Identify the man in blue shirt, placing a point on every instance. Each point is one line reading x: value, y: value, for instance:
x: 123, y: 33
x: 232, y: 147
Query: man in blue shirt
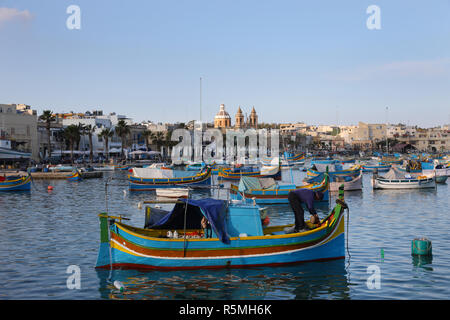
x: 296, y: 197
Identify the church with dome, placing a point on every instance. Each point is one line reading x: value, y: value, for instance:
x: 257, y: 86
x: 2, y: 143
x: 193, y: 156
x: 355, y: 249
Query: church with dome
x: 222, y: 120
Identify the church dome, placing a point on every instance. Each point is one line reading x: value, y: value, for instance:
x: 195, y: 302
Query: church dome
x: 222, y: 114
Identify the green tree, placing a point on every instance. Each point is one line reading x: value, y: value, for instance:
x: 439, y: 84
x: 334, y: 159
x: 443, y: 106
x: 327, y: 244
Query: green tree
x: 89, y: 131
x: 72, y: 135
x: 48, y: 117
x: 122, y: 130
x: 147, y: 135
x: 105, y: 134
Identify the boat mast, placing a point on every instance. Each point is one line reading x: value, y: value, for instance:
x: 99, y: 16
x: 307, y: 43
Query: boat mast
x: 387, y: 145
x: 200, y: 99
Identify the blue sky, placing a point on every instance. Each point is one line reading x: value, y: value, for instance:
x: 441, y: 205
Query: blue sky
x: 311, y: 61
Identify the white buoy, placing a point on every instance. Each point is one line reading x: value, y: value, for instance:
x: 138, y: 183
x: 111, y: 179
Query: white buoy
x: 124, y: 192
x: 119, y: 285
x: 140, y: 205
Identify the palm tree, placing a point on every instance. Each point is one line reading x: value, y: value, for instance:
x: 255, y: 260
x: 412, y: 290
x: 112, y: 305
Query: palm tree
x: 158, y: 139
x: 122, y: 129
x: 89, y: 131
x: 147, y: 135
x: 72, y: 135
x: 48, y: 117
x: 106, y: 134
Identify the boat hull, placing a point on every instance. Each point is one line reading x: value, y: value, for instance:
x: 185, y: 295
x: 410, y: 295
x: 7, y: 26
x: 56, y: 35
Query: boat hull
x: 131, y: 250
x: 21, y: 184
x: 355, y: 184
x: 143, y: 184
x: 379, y: 183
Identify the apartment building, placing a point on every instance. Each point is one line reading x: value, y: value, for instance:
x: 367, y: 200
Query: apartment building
x: 18, y: 124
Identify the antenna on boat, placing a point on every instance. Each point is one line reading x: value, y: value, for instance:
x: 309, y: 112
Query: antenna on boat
x: 106, y: 193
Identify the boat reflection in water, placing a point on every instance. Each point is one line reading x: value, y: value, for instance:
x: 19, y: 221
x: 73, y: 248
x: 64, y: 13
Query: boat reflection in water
x: 310, y: 280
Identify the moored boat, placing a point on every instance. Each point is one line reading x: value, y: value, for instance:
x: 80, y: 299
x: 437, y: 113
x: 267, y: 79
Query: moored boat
x: 121, y: 167
x: 217, y: 234
x: 333, y: 170
x: 350, y: 183
x: 396, y: 180
x: 376, y: 167
x: 172, y: 192
x: 15, y: 183
x: 263, y: 172
x: 143, y: 179
x: 74, y: 176
x: 266, y: 191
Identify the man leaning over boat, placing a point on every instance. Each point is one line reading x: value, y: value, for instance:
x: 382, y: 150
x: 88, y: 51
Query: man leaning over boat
x: 296, y: 198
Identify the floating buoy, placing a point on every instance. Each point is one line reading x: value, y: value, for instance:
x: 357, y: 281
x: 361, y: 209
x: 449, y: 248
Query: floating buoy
x: 139, y: 205
x: 421, y: 246
x: 119, y: 285
x: 124, y: 192
x: 50, y: 188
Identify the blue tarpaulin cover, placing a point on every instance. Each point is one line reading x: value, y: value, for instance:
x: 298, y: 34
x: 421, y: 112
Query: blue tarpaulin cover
x: 214, y: 210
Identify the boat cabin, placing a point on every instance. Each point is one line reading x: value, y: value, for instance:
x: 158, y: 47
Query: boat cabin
x: 224, y: 219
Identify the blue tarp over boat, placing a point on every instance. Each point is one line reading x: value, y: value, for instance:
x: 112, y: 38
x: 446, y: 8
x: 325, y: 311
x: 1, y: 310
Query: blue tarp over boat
x: 214, y: 210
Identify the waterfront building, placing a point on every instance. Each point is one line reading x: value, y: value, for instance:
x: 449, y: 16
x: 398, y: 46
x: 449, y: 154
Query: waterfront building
x: 18, y: 124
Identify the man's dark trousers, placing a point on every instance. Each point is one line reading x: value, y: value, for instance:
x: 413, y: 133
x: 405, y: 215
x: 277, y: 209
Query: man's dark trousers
x: 299, y: 213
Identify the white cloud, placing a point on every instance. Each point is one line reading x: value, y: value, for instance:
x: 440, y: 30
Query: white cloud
x: 12, y: 14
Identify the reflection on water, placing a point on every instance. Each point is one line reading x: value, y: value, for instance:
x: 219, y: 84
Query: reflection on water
x: 315, y: 280
x: 423, y: 261
x: 42, y: 233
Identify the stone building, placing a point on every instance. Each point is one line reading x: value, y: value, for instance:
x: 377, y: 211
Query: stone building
x: 18, y: 124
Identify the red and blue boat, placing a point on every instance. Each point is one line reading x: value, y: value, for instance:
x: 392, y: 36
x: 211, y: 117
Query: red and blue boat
x: 15, y: 183
x: 213, y: 233
x: 74, y: 176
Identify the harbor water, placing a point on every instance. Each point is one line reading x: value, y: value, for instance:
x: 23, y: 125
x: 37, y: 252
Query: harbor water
x: 43, y: 234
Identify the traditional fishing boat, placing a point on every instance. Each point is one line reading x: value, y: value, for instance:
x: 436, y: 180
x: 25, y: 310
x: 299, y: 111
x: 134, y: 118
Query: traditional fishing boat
x: 143, y: 179
x: 350, y: 183
x: 210, y: 233
x: 172, y: 192
x: 267, y: 191
x: 390, y: 160
x: 74, y: 176
x: 333, y: 170
x: 121, y: 167
x: 15, y: 183
x: 294, y: 157
x: 440, y: 171
x: 394, y: 179
x: 61, y: 168
x: 195, y: 166
x: 103, y: 168
x: 237, y: 172
x: 376, y: 167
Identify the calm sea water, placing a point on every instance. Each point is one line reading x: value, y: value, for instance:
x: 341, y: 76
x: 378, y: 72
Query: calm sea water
x: 42, y: 233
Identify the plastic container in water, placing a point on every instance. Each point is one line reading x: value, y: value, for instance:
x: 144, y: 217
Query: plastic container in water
x: 119, y: 285
x: 421, y: 246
